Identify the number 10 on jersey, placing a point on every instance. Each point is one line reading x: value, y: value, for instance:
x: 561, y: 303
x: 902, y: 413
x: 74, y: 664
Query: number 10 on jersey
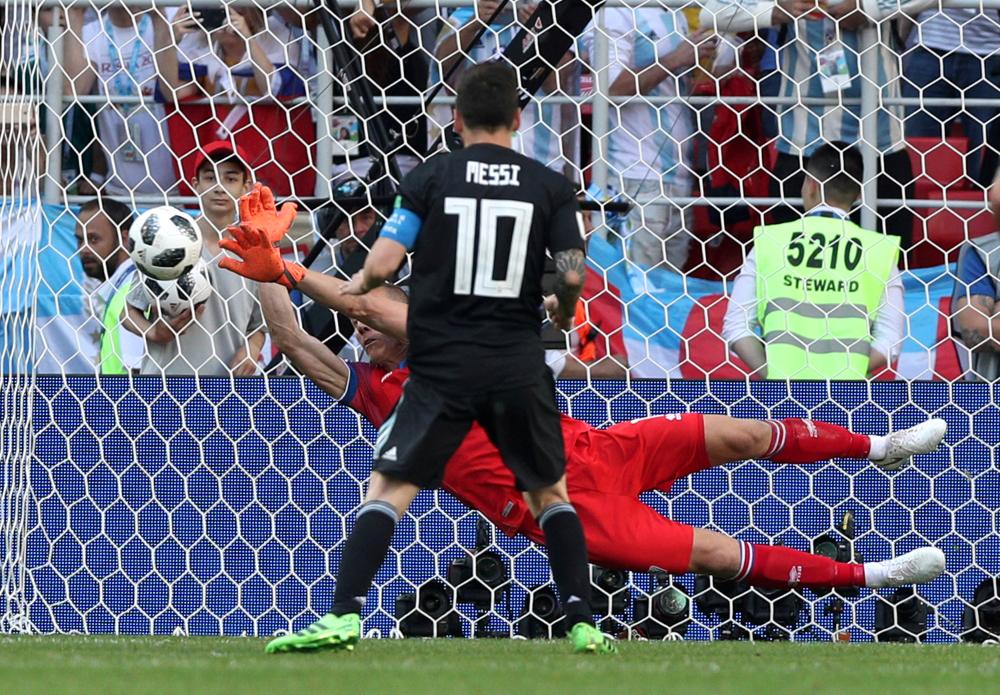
x: 490, y: 212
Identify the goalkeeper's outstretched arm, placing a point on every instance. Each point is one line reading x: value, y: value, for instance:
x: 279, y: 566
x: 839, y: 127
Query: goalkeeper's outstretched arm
x: 307, y: 354
x: 373, y: 309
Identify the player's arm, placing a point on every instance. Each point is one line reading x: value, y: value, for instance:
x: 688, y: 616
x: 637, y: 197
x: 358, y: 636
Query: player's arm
x: 570, y: 268
x: 381, y: 264
x: 309, y: 356
x: 260, y: 260
x: 381, y: 313
x: 253, y: 242
x: 566, y: 244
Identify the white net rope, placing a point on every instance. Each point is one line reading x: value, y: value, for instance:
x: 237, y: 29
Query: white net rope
x: 21, y: 156
x: 218, y: 505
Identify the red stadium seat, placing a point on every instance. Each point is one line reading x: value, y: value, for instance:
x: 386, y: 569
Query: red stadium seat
x: 938, y: 232
x: 938, y: 165
x: 703, y: 352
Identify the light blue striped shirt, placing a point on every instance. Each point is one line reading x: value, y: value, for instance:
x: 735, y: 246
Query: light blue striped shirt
x: 538, y: 138
x: 804, y: 127
x: 647, y: 141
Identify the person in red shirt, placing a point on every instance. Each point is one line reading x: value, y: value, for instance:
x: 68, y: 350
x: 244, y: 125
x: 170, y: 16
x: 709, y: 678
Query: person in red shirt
x: 606, y: 469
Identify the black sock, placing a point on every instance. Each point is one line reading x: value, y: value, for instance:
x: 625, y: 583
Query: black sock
x: 568, y: 559
x: 363, y: 554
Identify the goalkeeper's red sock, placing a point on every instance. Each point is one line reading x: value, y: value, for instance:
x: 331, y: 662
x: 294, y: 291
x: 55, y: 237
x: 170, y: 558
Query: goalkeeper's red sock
x: 806, y: 441
x: 777, y: 567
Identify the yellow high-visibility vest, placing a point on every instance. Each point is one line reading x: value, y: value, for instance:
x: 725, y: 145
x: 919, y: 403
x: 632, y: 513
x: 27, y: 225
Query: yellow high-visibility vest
x: 820, y: 282
x: 111, y: 347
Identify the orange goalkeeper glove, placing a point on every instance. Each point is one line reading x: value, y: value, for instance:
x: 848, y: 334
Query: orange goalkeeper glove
x: 257, y: 209
x: 262, y: 260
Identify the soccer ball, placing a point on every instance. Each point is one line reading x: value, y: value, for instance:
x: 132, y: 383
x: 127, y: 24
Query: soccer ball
x: 186, y: 292
x: 164, y: 243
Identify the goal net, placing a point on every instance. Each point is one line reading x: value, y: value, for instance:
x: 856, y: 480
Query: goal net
x: 203, y: 486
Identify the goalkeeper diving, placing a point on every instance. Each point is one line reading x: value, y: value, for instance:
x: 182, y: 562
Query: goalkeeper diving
x: 606, y: 469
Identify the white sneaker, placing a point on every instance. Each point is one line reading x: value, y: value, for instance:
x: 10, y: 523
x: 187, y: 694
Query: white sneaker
x: 919, y: 439
x: 915, y: 567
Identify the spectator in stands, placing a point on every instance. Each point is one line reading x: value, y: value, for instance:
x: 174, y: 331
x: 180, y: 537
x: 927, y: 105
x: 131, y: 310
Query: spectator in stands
x: 225, y: 335
x: 824, y: 294
x: 808, y: 33
x: 243, y: 58
x: 541, y: 133
x: 249, y: 65
x: 20, y: 220
x: 974, y: 301
x: 953, y: 55
x: 101, y: 236
x: 23, y: 49
x: 114, y: 52
x: 649, y: 145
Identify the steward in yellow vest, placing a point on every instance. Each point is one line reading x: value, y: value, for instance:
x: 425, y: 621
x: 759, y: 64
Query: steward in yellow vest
x: 820, y: 282
x: 111, y: 350
x: 814, y: 287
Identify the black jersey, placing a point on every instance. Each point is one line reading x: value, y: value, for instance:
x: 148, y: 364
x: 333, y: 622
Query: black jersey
x: 487, y: 214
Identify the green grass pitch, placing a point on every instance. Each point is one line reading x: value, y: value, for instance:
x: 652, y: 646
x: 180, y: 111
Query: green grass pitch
x: 141, y: 665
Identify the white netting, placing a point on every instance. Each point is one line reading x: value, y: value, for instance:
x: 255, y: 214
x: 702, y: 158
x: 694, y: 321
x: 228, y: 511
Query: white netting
x: 218, y: 505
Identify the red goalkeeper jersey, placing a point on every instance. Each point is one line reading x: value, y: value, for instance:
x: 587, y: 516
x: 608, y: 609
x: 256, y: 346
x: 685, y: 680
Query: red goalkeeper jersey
x: 476, y: 474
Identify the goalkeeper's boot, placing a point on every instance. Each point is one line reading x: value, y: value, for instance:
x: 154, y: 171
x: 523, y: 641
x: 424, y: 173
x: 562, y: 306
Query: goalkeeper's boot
x: 915, y: 567
x: 903, y: 445
x: 329, y: 632
x: 587, y: 639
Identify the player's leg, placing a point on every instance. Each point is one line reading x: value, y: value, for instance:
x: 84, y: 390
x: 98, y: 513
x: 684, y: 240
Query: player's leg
x: 411, y: 451
x: 769, y: 566
x: 524, y: 425
x: 363, y: 554
x: 796, y: 440
x: 567, y: 551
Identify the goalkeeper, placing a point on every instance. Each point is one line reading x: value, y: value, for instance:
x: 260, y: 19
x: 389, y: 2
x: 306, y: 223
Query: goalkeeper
x: 606, y: 469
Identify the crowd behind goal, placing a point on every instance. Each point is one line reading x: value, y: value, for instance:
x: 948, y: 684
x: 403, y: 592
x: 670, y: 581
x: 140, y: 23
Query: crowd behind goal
x: 698, y: 118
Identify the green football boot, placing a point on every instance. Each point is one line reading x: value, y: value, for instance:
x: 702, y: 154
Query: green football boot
x: 329, y: 632
x: 587, y: 639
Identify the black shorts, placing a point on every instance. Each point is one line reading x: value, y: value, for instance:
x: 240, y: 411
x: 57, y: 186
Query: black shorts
x: 427, y: 426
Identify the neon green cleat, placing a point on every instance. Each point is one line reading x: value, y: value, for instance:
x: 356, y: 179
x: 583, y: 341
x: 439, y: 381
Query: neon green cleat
x: 587, y: 639
x: 329, y: 632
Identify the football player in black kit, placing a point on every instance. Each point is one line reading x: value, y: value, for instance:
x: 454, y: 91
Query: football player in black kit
x: 479, y: 222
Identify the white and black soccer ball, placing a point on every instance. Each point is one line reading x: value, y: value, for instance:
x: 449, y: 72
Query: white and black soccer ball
x: 164, y: 243
x: 186, y: 292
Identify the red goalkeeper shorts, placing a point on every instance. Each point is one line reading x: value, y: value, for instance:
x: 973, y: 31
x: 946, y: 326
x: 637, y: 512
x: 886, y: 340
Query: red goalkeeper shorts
x: 608, y: 469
